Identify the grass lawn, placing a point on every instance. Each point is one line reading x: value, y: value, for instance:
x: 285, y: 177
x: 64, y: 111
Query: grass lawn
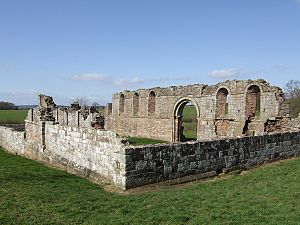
x: 143, y: 141
x: 12, y: 116
x: 31, y: 193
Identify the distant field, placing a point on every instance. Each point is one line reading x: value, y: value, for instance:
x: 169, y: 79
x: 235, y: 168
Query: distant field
x: 12, y: 116
x: 31, y: 193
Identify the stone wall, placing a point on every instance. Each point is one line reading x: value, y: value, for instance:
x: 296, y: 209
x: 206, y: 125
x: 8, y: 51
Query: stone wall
x: 74, y: 139
x: 102, y: 155
x: 12, y: 140
x: 98, y: 151
x: 244, y: 106
x: 89, y: 152
x: 189, y: 161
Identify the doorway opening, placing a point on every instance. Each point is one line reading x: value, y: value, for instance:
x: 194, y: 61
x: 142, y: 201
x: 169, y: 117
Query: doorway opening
x: 186, y: 121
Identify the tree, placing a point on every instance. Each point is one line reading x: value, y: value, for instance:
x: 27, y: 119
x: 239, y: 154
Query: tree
x: 95, y: 104
x: 83, y: 101
x: 292, y: 89
x: 7, y: 106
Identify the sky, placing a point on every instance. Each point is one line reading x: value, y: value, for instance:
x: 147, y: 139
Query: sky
x: 94, y: 48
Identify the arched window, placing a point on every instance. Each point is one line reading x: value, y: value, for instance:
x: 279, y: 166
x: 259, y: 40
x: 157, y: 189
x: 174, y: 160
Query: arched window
x: 135, y: 104
x: 253, y: 101
x: 151, y: 103
x: 222, y: 102
x: 121, y: 103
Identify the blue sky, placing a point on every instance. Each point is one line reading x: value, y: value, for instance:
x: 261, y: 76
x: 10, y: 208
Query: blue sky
x: 93, y: 48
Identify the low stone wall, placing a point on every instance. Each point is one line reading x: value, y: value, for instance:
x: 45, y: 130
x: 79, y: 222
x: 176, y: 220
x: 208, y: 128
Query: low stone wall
x: 155, y: 163
x: 88, y: 152
x: 12, y: 140
x: 87, y: 149
x: 101, y: 154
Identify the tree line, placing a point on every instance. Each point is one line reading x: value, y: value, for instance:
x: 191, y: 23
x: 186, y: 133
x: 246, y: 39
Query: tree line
x: 7, y: 106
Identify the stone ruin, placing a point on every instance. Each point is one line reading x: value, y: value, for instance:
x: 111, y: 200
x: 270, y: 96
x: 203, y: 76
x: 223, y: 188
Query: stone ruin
x: 240, y: 124
x: 75, y: 115
x: 233, y: 108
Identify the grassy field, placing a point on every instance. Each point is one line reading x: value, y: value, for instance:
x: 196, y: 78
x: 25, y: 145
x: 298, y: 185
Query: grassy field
x: 12, y: 116
x: 31, y: 193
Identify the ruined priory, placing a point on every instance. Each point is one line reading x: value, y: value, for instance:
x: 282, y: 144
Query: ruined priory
x: 240, y: 124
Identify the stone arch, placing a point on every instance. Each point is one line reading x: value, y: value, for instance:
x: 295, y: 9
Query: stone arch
x: 151, y: 103
x: 177, y: 114
x: 222, y: 102
x: 253, y: 100
x: 121, y: 103
x: 135, y: 104
x: 180, y: 103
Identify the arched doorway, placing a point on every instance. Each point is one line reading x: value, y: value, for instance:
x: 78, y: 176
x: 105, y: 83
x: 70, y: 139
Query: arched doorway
x: 186, y: 114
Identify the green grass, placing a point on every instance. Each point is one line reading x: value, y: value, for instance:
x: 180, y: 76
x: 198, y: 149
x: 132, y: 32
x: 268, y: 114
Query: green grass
x: 190, y: 130
x: 31, y: 193
x: 12, y: 116
x: 143, y: 141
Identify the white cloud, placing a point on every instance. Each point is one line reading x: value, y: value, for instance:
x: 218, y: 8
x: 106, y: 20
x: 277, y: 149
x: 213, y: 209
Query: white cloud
x: 225, y: 73
x: 124, y: 82
x: 90, y: 76
x: 128, y: 82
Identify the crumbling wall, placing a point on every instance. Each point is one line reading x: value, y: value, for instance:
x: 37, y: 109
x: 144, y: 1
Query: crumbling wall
x: 74, y: 139
x: 222, y: 127
x: 71, y: 138
x: 108, y: 109
x: 238, y: 102
x: 282, y: 124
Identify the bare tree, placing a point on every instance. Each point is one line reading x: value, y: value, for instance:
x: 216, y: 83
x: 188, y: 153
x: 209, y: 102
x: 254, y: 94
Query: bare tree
x: 292, y: 89
x: 96, y: 104
x: 83, y: 101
